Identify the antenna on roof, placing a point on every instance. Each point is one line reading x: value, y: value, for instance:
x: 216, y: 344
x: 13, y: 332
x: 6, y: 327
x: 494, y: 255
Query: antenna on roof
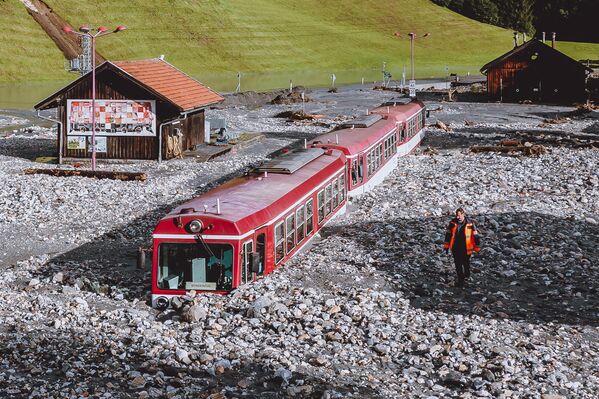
x: 161, y: 57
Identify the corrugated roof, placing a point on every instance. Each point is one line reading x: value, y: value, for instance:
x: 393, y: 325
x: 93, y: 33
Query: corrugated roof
x: 176, y: 86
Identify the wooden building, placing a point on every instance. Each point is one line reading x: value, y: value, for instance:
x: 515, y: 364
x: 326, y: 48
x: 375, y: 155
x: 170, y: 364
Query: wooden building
x: 145, y: 109
x: 537, y: 72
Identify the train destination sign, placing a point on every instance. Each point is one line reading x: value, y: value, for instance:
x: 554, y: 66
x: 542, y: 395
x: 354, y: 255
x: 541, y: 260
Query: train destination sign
x: 113, y: 117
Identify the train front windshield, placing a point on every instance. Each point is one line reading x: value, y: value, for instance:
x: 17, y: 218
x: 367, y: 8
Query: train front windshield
x: 195, y: 266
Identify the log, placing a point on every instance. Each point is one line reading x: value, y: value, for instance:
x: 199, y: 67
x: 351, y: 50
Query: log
x: 532, y: 150
x: 510, y: 143
x: 98, y: 174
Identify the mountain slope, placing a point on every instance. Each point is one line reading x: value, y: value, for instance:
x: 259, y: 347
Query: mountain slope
x: 211, y: 39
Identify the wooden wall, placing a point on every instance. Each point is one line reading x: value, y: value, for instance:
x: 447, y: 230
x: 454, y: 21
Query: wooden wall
x: 537, y: 76
x: 111, y: 85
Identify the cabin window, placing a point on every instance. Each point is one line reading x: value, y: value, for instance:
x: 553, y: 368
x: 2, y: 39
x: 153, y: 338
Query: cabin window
x: 327, y: 199
x: 246, y: 262
x: 320, y: 206
x: 290, y: 232
x: 335, y: 192
x: 309, y: 216
x: 371, y: 162
x: 279, y: 242
x: 299, y: 221
x: 195, y: 266
x: 341, y: 188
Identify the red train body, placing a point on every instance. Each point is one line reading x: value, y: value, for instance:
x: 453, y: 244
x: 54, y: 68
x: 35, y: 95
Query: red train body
x: 248, y: 226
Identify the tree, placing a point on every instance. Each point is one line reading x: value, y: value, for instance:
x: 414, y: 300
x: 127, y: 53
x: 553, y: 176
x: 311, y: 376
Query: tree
x: 482, y: 10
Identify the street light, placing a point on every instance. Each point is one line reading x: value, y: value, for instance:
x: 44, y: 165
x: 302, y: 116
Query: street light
x: 87, y: 31
x: 412, y: 36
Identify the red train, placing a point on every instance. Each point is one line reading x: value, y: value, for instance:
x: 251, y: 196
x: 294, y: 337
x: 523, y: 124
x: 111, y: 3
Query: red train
x: 252, y: 224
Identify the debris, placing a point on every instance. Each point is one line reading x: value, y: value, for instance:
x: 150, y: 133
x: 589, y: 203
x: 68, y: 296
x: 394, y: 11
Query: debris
x: 298, y: 115
x: 510, y: 143
x: 536, y: 149
x: 98, y: 174
x: 292, y: 97
x: 442, y: 126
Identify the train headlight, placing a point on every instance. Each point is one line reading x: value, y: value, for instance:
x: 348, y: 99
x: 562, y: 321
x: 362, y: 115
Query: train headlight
x: 195, y: 226
x: 162, y: 303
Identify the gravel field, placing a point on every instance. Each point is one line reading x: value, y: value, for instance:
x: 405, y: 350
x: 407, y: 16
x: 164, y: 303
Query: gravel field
x: 369, y: 311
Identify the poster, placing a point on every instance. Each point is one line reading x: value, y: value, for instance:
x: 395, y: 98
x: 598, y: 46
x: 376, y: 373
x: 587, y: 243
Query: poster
x: 113, y: 118
x: 100, y: 144
x: 76, y: 142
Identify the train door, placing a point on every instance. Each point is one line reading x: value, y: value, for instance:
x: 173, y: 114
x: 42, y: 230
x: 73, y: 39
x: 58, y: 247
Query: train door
x: 247, y: 249
x: 357, y: 171
x: 260, y: 253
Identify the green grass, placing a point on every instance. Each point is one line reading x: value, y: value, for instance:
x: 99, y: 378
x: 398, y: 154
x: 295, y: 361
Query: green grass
x: 270, y: 41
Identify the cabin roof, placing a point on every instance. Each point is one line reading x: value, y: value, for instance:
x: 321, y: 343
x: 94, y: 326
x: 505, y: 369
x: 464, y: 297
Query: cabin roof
x: 156, y: 76
x: 536, y: 44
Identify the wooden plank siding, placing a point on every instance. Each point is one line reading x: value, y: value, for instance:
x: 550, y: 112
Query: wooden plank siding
x: 112, y: 85
x: 538, y: 73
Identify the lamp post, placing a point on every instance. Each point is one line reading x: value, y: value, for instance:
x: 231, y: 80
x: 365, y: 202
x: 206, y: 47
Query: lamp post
x: 87, y: 31
x: 412, y: 37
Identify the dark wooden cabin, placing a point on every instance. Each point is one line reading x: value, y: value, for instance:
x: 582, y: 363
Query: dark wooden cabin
x: 153, y: 106
x: 537, y: 72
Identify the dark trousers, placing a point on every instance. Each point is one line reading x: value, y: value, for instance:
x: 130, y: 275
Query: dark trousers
x: 462, y: 265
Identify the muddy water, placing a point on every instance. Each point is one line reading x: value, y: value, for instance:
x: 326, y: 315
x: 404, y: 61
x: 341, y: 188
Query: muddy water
x: 26, y: 95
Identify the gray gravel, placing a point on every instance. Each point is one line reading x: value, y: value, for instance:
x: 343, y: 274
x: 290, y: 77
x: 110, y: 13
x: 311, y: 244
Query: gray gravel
x: 369, y: 311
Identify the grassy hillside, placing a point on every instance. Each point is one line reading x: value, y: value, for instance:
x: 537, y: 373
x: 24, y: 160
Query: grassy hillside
x: 305, y: 40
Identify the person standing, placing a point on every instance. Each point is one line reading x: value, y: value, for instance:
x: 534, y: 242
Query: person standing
x: 463, y: 240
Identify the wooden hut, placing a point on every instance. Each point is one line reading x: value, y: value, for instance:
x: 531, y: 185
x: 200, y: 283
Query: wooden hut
x: 537, y: 72
x: 145, y: 109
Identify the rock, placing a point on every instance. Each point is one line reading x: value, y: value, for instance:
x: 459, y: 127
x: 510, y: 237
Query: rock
x: 34, y: 282
x: 194, y: 313
x: 182, y: 356
x: 284, y: 374
x: 57, y: 278
x: 138, y: 382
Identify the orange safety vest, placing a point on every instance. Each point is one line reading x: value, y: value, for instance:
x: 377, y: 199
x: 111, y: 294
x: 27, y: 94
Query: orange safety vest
x: 471, y: 245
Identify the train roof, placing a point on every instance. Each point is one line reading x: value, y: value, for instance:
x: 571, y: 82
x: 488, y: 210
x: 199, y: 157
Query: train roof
x: 251, y: 201
x: 399, y: 110
x: 353, y: 141
x: 358, y: 135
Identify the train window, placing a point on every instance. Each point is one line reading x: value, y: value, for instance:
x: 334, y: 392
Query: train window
x: 309, y: 216
x: 327, y: 199
x: 279, y: 242
x: 191, y: 266
x: 371, y: 163
x: 387, y: 144
x: 341, y: 188
x: 320, y: 206
x: 335, y: 192
x: 246, y: 263
x: 290, y: 232
x: 299, y: 222
x: 403, y: 135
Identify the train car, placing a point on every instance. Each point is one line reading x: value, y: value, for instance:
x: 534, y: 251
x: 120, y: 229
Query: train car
x: 373, y: 143
x: 245, y: 228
